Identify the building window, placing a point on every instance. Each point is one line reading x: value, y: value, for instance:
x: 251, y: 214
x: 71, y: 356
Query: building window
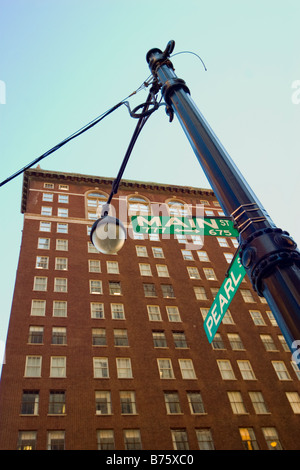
x: 271, y: 318
x: 268, y: 343
x: 247, y: 295
x: 200, y: 293
x: 58, y: 366
x: 57, y: 402
x: 248, y: 439
x: 173, y: 314
x: 63, y: 198
x: 117, y: 311
x: 157, y: 252
x: 167, y: 291
x: 145, y: 269
x: 272, y: 439
x: 281, y: 370
x: 172, y: 402
x: 228, y: 257
x: 149, y: 290
x: 124, y: 370
x: 141, y: 251
x: 42, y: 262
x: 235, y: 342
x: 40, y: 283
x: 92, y: 249
x: 227, y: 319
x: 101, y: 370
x: 205, y: 440
x: 26, y: 440
x: 112, y: 267
x: 33, y: 366
x: 45, y: 226
x: 178, y: 208
x: 96, y: 287
x: 47, y: 211
x: 120, y: 337
x: 283, y: 343
x: 30, y: 402
x: 210, y: 274
x: 179, y: 340
x: 217, y: 342
x: 59, y: 308
x: 246, y: 370
x: 195, y: 403
x: 193, y: 272
x: 61, y: 264
x: 98, y: 337
x: 159, y: 339
x: 60, y: 284
x: 103, y: 403
x: 97, y: 310
x: 187, y: 368
x: 203, y: 256
x: 36, y: 335
x: 63, y: 187
x: 222, y: 242
x: 165, y: 369
x: 132, y: 439
x: 44, y: 243
x: 61, y: 245
x: 226, y: 370
x: 56, y: 440
x: 257, y: 317
x: 236, y: 402
x: 128, y: 404
x: 258, y: 403
x: 62, y: 228
x: 179, y: 439
x: 115, y: 288
x: 138, y: 205
x: 48, y: 197
x: 187, y: 255
x: 61, y: 212
x: 94, y: 266
x: 154, y: 313
x: 294, y: 401
x: 49, y: 185
x: 38, y: 308
x: 59, y: 335
x: 162, y: 270
x: 105, y: 439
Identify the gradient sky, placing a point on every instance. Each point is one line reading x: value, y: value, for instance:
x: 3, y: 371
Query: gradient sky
x: 64, y: 62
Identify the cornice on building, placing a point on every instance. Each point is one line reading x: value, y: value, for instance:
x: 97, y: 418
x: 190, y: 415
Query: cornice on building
x: 95, y: 180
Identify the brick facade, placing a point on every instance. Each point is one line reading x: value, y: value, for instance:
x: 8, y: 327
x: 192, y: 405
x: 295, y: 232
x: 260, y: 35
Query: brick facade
x: 149, y: 379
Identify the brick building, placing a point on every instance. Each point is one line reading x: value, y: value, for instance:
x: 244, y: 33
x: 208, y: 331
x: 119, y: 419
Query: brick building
x: 109, y: 351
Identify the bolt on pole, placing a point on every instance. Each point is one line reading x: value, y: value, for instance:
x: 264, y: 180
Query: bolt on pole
x: 269, y: 254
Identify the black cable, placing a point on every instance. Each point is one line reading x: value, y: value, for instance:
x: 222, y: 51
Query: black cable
x: 79, y: 132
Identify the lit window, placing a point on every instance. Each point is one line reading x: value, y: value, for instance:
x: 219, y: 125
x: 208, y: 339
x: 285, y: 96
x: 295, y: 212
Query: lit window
x: 27, y: 440
x: 272, y: 439
x: 248, y: 439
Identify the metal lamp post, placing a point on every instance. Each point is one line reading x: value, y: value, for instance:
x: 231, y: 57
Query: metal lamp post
x: 269, y: 255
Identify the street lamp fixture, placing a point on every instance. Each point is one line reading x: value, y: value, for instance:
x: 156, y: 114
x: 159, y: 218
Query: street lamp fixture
x: 108, y: 234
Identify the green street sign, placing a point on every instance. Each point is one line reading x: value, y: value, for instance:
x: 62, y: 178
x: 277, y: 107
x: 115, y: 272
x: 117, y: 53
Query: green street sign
x: 224, y: 297
x: 184, y: 225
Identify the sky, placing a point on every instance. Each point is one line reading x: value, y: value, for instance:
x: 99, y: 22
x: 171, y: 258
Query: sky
x: 65, y: 62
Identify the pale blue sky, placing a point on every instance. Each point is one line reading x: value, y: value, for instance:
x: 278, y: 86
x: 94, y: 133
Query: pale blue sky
x: 64, y: 62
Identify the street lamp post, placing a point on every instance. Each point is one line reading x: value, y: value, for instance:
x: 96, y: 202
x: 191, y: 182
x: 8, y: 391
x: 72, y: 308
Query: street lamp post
x: 269, y: 255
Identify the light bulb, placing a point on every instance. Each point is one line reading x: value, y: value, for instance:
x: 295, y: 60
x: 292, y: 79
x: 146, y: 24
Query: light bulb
x: 108, y: 235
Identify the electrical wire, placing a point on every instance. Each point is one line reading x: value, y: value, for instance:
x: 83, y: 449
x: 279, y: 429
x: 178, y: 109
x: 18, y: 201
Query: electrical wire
x: 78, y: 132
x: 193, y: 53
